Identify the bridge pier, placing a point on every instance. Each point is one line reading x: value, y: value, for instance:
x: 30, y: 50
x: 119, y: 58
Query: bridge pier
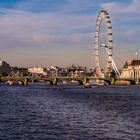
x: 81, y: 83
x: 113, y: 81
x: 85, y: 81
x: 51, y: 82
x: 137, y: 82
x: 25, y: 82
x: 55, y: 81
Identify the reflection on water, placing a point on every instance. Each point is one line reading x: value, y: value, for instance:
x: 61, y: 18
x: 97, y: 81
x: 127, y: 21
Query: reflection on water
x: 69, y: 113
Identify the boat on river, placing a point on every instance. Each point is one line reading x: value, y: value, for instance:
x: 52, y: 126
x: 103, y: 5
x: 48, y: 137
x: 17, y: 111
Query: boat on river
x: 88, y: 85
x: 13, y: 82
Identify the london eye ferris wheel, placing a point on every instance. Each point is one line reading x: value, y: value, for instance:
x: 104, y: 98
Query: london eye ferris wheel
x: 107, y: 44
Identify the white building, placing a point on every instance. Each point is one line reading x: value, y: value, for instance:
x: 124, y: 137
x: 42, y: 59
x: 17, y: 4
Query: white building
x: 37, y: 70
x: 131, y: 69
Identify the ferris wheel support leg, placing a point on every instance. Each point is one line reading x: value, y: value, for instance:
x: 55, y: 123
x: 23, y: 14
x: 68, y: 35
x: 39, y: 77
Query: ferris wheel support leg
x: 115, y: 68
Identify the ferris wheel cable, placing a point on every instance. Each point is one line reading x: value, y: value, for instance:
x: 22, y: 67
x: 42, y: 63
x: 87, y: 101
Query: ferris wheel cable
x: 116, y: 54
x: 115, y: 68
x: 121, y: 59
x: 113, y: 64
x: 117, y: 74
x: 105, y: 46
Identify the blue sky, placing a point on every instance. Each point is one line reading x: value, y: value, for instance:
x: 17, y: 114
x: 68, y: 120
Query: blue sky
x: 60, y: 32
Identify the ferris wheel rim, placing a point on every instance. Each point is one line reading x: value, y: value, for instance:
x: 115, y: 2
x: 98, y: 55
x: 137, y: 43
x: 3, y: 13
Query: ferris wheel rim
x: 103, y: 14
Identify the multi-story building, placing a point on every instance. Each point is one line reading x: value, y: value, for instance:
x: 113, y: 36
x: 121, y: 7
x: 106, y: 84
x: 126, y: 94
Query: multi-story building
x: 38, y: 70
x: 75, y: 71
x: 5, y: 68
x: 131, y: 69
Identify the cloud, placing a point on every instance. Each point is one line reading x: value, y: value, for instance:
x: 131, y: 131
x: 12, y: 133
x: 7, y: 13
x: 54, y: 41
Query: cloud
x: 36, y: 33
x: 116, y: 7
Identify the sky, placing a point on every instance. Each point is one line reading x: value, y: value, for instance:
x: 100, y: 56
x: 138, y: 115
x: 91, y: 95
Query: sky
x: 61, y: 32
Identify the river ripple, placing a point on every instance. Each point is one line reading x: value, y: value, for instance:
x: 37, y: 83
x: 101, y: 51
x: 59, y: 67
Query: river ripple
x: 38, y: 112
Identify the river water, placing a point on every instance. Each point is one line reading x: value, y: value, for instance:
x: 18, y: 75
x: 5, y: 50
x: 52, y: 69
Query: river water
x: 43, y: 112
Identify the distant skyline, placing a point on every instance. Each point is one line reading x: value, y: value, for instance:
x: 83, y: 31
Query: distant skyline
x: 61, y: 32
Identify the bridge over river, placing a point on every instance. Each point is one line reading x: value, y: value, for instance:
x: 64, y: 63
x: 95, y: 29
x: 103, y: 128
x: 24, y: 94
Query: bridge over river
x: 82, y: 80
